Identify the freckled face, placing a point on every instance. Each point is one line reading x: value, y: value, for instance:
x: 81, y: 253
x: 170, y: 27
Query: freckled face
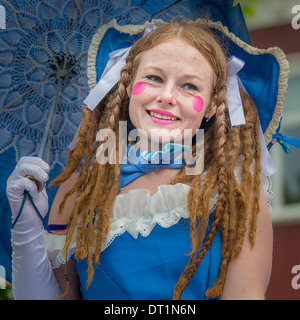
x: 172, y: 88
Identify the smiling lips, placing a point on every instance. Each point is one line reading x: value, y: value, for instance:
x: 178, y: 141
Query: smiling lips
x: 161, y: 116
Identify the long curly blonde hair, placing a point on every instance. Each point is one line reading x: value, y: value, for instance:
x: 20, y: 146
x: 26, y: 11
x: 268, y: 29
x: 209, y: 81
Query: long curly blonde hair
x: 98, y: 184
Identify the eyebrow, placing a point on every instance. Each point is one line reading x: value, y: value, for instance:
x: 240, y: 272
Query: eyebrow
x: 187, y: 76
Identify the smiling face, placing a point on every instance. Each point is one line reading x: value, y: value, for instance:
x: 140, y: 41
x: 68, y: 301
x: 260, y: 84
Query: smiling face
x: 172, y: 90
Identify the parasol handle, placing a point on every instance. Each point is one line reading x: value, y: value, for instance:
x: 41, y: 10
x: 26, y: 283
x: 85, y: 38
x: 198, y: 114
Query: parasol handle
x: 40, y: 185
x: 50, y: 118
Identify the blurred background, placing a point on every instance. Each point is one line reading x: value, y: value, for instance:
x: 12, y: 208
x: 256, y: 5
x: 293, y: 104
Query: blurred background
x: 270, y: 24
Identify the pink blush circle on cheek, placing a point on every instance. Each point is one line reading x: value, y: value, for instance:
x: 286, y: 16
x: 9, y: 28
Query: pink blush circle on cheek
x: 139, y: 87
x: 198, y: 104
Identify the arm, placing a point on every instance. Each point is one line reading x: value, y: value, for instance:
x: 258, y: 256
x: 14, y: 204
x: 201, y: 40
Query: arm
x: 248, y: 275
x: 63, y: 218
x: 32, y: 276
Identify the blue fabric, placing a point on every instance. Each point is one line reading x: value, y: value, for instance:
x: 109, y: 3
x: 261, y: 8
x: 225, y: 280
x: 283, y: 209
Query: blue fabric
x: 224, y: 11
x: 7, y: 164
x: 110, y: 37
x: 56, y: 227
x: 259, y: 76
x: 141, y: 163
x: 284, y: 141
x: 148, y: 268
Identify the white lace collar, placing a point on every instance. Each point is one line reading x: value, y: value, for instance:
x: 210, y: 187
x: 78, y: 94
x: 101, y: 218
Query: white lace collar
x: 135, y: 212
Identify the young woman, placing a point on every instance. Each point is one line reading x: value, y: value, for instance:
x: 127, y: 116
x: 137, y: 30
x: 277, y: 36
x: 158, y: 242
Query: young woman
x: 143, y: 231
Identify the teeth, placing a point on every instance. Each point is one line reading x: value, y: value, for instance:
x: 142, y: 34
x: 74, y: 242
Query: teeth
x: 160, y: 116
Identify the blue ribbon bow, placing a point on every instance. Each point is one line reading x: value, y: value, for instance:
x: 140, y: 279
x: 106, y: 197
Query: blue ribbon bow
x: 141, y: 163
x: 284, y: 140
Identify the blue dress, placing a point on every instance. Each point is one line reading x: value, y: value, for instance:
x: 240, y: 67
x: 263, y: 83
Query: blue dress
x: 146, y: 250
x: 148, y: 268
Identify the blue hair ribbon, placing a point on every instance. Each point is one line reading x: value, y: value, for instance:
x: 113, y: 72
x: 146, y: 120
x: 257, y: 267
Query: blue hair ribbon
x: 284, y: 140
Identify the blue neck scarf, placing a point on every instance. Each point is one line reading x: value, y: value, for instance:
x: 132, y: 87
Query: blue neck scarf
x: 140, y: 163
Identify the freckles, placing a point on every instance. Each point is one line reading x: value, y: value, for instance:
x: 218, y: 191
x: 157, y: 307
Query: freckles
x: 139, y: 87
x: 198, y: 104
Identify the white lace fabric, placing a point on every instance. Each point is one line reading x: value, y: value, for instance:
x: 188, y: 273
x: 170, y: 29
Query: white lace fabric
x: 137, y: 213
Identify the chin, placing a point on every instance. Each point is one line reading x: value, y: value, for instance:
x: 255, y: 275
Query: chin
x: 165, y: 136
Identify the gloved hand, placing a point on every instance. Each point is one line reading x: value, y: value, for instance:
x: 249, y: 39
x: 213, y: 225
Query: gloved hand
x: 32, y: 275
x: 17, y: 183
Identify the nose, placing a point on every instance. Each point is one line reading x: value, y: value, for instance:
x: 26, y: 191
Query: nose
x: 167, y: 96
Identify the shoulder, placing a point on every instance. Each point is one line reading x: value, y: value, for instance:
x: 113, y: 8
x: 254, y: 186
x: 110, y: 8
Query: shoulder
x: 63, y: 217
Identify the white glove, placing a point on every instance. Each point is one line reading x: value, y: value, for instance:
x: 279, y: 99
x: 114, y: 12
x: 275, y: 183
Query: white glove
x: 32, y: 275
x: 17, y: 183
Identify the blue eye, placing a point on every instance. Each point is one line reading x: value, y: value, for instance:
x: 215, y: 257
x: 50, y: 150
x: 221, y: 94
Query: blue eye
x: 191, y: 87
x: 154, y: 78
